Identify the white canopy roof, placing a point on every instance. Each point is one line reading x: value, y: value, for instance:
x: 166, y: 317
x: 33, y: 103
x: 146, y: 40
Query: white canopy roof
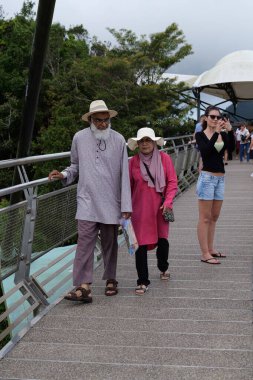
x: 231, y: 78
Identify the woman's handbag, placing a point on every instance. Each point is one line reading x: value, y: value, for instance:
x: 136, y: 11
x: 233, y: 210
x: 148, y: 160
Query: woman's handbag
x: 168, y: 215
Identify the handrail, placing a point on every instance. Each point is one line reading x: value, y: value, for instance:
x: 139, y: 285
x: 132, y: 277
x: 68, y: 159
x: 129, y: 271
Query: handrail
x: 54, y: 156
x: 32, y: 159
x: 178, y: 137
x: 23, y: 186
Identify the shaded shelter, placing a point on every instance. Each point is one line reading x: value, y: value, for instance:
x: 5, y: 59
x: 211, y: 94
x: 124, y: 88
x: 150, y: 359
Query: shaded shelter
x: 231, y: 79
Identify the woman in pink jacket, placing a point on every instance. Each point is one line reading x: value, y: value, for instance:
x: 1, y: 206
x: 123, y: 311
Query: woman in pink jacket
x: 154, y: 186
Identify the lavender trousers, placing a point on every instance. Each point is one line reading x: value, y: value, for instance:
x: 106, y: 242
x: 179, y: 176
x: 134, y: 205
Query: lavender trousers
x: 84, y: 259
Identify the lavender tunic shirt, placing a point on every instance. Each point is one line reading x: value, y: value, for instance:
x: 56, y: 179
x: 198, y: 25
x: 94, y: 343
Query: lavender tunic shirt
x: 103, y: 189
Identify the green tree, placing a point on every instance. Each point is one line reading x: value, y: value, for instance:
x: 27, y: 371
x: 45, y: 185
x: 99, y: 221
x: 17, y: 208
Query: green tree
x: 15, y: 45
x: 126, y: 74
x: 129, y: 75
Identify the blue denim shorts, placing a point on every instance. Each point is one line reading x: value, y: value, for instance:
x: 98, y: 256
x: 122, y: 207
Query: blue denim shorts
x: 210, y: 187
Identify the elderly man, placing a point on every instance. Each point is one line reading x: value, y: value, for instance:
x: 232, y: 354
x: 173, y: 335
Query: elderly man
x: 99, y: 157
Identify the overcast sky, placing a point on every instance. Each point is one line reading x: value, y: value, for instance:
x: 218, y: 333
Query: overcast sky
x: 214, y: 28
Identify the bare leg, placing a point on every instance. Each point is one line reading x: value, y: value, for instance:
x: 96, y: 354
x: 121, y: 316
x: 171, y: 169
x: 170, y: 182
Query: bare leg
x: 205, y: 215
x: 215, y: 213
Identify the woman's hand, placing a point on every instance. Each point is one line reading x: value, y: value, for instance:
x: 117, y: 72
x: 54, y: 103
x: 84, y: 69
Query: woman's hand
x: 165, y: 208
x: 54, y: 174
x: 227, y: 125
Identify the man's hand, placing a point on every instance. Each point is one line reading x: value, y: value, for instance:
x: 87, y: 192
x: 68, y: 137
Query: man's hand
x: 54, y: 174
x: 126, y: 215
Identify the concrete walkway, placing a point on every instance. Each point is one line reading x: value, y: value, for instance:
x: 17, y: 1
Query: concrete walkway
x: 196, y: 326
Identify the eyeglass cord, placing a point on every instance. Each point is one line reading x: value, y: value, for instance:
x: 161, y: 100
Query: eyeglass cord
x: 100, y: 147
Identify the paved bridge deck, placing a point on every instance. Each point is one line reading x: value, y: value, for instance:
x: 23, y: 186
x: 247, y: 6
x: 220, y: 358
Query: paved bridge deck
x: 196, y: 326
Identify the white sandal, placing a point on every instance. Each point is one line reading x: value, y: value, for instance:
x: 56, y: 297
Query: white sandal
x: 140, y: 290
x: 165, y: 276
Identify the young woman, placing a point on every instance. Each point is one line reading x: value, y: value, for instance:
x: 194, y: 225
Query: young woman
x: 152, y: 175
x: 212, y: 144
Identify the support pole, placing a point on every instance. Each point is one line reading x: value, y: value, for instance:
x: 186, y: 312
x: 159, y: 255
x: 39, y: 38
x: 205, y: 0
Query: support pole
x: 39, y: 50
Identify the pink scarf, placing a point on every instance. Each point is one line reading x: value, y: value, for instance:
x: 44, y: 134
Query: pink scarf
x: 154, y: 163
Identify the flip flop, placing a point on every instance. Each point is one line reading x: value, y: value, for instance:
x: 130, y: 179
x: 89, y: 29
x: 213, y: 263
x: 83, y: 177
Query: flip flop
x: 209, y: 262
x: 219, y: 254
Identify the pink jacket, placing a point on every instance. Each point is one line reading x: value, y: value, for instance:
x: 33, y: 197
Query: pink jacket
x: 147, y: 218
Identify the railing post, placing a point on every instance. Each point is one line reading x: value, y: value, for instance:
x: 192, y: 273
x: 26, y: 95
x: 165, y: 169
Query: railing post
x: 26, y: 247
x: 23, y: 272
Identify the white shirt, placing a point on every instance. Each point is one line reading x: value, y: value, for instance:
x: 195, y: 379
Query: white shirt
x: 240, y: 133
x: 103, y: 190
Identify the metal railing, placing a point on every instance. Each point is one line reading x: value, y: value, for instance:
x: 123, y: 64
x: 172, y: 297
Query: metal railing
x: 33, y: 229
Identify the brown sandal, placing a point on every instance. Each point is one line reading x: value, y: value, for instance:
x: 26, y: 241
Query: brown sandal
x: 112, y: 289
x: 84, y: 297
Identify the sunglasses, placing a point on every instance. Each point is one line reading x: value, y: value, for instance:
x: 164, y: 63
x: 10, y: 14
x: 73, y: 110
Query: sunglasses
x: 214, y: 117
x: 97, y: 120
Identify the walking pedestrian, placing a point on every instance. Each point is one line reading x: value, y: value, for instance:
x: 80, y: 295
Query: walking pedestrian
x: 99, y: 158
x: 154, y: 186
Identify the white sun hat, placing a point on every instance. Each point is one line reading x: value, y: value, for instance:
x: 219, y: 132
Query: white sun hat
x: 144, y: 132
x: 98, y: 106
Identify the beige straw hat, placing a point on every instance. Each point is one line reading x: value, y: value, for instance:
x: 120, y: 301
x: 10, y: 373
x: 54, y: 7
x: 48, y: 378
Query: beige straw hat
x: 98, y: 106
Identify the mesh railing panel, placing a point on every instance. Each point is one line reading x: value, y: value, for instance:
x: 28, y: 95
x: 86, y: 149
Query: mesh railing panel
x: 187, y: 160
x: 173, y: 157
x: 179, y: 162
x: 55, y: 220
x: 11, y: 232
x: 194, y: 158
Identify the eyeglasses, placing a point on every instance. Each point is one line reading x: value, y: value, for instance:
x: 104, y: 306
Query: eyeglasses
x: 214, y: 117
x: 145, y: 140
x: 100, y: 121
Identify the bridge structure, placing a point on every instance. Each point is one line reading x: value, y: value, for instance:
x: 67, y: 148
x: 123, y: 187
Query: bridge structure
x: 198, y: 325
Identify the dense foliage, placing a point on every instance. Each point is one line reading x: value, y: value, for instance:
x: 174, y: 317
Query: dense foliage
x: 79, y: 69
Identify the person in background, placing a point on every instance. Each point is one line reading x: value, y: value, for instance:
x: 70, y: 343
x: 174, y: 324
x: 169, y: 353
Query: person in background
x: 237, y: 142
x: 251, y: 144
x: 99, y: 158
x: 211, y: 182
x: 198, y: 126
x: 250, y: 128
x: 231, y: 144
x: 244, y: 142
x: 154, y: 185
x: 228, y: 154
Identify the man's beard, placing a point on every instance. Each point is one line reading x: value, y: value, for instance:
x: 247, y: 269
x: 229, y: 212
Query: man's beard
x: 101, y: 134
